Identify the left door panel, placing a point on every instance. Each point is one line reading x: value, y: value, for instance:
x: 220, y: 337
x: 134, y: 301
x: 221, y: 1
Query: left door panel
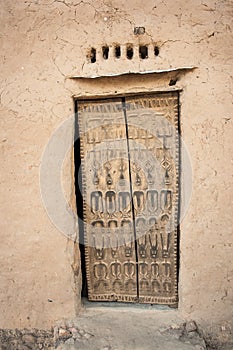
x: 108, y: 222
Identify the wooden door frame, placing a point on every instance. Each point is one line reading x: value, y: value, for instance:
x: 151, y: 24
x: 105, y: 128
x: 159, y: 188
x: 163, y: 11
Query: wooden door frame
x: 139, y: 94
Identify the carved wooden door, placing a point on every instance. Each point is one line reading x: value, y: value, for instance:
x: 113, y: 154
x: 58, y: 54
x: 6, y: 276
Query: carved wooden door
x: 130, y: 181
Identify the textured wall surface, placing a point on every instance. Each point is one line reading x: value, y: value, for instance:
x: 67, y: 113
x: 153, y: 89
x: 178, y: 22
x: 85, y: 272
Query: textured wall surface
x: 43, y: 44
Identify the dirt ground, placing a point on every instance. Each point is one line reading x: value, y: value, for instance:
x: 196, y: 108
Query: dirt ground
x: 128, y: 327
x: 112, y: 326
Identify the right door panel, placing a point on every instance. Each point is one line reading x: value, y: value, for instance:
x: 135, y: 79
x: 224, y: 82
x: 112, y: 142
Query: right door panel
x: 152, y: 123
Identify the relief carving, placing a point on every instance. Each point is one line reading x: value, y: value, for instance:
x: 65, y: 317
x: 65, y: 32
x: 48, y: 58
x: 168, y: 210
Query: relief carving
x: 130, y: 189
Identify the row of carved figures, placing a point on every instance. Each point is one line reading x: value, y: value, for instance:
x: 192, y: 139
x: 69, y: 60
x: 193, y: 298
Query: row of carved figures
x: 152, y: 245
x: 153, y: 287
x: 109, y: 132
x: 125, y: 225
x: 117, y: 270
x: 111, y: 201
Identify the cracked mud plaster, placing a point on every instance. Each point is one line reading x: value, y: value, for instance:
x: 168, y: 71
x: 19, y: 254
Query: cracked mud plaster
x: 44, y: 42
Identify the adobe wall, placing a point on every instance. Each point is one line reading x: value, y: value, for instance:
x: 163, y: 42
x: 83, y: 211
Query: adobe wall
x: 43, y: 44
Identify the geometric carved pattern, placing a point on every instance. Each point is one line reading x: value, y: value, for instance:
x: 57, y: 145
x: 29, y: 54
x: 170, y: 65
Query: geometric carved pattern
x: 130, y: 174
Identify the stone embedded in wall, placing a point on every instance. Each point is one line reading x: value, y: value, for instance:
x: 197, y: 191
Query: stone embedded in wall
x: 139, y: 30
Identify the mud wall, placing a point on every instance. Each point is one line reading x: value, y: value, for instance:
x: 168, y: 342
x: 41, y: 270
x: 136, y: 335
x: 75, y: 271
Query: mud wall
x: 46, y: 61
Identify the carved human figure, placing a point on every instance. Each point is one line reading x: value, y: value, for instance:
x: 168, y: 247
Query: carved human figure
x: 96, y: 202
x: 165, y: 132
x: 155, y: 270
x: 152, y: 200
x: 142, y: 246
x: 167, y: 286
x: 153, y: 239
x: 128, y: 249
x: 144, y: 285
x: 100, y: 270
x: 110, y: 202
x: 113, y: 240
x: 129, y: 269
x: 115, y: 268
x: 166, y: 200
x: 138, y: 201
x: 156, y: 288
x: 99, y: 250
x: 143, y: 269
x: 165, y: 235
x: 124, y: 202
x: 167, y: 269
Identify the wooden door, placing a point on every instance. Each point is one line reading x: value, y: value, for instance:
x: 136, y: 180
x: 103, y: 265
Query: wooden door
x: 130, y: 167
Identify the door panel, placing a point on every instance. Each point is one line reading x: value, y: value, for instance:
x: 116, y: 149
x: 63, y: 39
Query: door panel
x: 109, y: 236
x: 152, y: 123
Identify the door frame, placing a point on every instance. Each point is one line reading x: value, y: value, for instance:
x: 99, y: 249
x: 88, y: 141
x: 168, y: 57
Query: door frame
x: 78, y: 99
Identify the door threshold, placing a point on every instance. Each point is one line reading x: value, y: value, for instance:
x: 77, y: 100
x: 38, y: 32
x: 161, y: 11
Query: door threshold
x: 109, y: 304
